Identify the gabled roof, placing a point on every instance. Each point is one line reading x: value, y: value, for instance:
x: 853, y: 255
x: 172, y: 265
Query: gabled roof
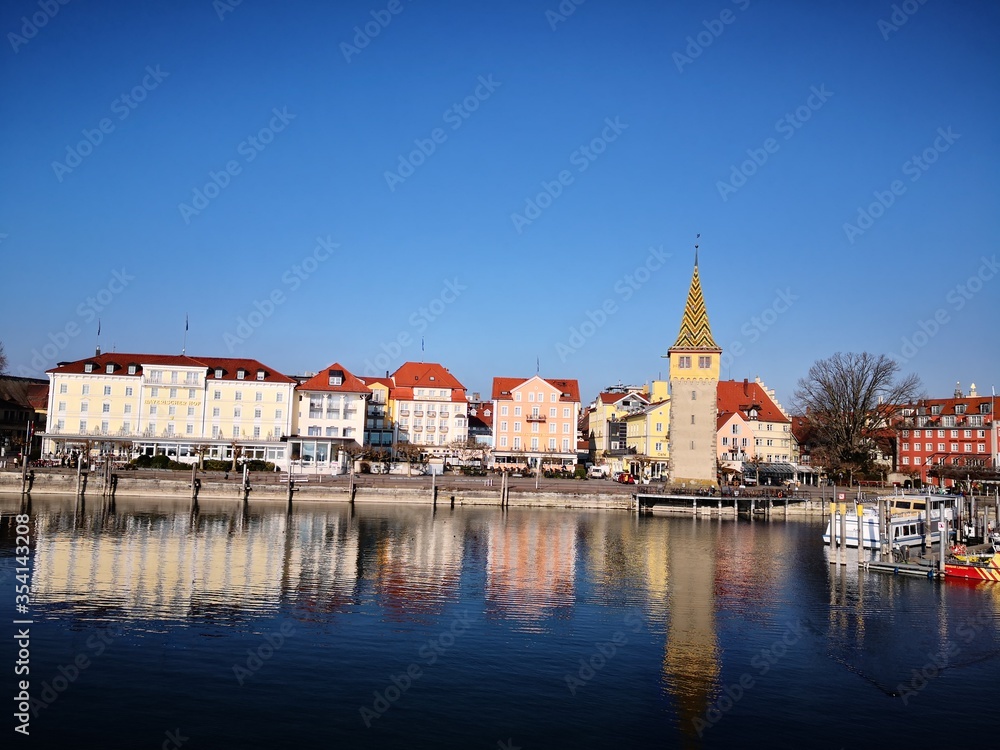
x: 735, y: 396
x: 695, y: 333
x: 425, y: 375
x: 321, y: 381
x: 387, y: 382
x: 569, y: 390
x: 614, y: 398
x: 121, y: 361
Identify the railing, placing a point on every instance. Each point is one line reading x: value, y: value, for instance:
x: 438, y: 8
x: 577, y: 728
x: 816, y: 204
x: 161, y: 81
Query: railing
x: 442, y: 429
x: 536, y: 417
x: 418, y: 428
x: 418, y: 412
x: 431, y: 428
x: 404, y: 412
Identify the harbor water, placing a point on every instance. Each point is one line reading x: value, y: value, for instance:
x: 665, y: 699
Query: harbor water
x: 383, y: 626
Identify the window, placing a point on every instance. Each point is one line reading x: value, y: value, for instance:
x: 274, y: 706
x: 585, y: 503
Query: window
x: 906, y: 446
x: 152, y: 409
x: 565, y: 428
x: 565, y: 412
x: 517, y: 411
x: 704, y: 362
x: 916, y: 460
x: 256, y: 413
x: 552, y: 398
x: 86, y: 390
x: 659, y: 447
x: 552, y: 444
x: 236, y: 431
x: 684, y: 363
x: 694, y: 395
x: 260, y: 374
x: 88, y: 367
x: 189, y: 429
x: 517, y: 396
x: 277, y: 413
x: 280, y: 397
x: 237, y: 413
x: 916, y: 433
x: 105, y: 408
x: 154, y: 392
x: 982, y: 448
x: 241, y: 374
x: 534, y: 444
x: 692, y: 419
x: 191, y: 395
x: 256, y: 430
x: 107, y: 390
x: 173, y: 376
x: 936, y: 409
x: 190, y: 411
x: 258, y: 396
x: 531, y: 396
x: 218, y: 373
x: 503, y: 427
x: 239, y: 395
x: 62, y: 406
x: 503, y: 441
x: 216, y: 411
x: 126, y: 427
x: 63, y: 388
x: 517, y: 426
x: 83, y: 426
x: 552, y: 412
x: 503, y: 411
x: 658, y: 427
x: 565, y: 445
x: 966, y: 433
x: 128, y: 408
x: 960, y: 408
x: 928, y: 446
x: 131, y: 369
x: 725, y: 441
x: 84, y: 406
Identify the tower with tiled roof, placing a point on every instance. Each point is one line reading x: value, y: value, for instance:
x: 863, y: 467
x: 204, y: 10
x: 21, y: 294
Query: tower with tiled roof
x: 694, y: 378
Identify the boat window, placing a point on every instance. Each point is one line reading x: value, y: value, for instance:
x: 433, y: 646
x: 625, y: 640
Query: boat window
x: 903, y: 504
x: 896, y: 533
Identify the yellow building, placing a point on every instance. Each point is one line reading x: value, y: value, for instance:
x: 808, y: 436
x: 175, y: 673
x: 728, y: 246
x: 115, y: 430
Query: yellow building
x: 606, y: 424
x: 648, y: 440
x: 132, y: 404
x: 379, y: 413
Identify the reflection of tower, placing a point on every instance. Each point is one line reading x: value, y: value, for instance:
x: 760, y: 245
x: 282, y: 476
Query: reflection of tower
x: 694, y: 379
x: 691, y: 663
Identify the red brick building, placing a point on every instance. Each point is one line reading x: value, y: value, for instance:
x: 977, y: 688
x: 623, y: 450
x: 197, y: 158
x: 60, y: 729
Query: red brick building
x: 941, y: 436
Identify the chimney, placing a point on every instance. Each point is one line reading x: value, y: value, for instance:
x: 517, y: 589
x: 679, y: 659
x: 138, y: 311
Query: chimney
x: 98, y: 352
x: 746, y: 387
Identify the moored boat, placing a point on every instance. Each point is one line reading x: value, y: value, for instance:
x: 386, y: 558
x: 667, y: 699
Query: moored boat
x: 907, y: 516
x: 973, y: 567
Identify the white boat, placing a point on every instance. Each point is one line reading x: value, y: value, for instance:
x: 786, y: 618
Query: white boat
x: 907, y: 515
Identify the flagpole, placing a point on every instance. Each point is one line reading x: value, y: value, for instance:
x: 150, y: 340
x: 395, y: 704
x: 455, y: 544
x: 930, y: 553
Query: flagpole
x: 184, y: 346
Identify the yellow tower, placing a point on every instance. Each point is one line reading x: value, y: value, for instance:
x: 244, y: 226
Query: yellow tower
x: 694, y: 379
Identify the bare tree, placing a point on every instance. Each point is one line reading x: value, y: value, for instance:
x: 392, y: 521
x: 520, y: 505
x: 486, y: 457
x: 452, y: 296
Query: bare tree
x: 848, y: 401
x: 3, y: 360
x: 470, y: 450
x: 409, y: 453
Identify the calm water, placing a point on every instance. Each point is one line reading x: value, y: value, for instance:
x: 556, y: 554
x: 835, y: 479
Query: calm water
x: 471, y: 628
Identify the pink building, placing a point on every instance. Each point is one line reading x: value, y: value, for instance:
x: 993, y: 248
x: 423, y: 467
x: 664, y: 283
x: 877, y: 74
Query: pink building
x: 534, y: 420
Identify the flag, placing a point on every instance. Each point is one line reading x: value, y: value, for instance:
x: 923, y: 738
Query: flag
x: 421, y: 343
x: 185, y: 321
x: 98, y: 326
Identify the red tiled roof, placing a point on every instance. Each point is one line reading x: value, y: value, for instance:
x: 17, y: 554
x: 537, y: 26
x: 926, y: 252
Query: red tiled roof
x: 38, y: 396
x: 484, y: 413
x: 229, y: 365
x: 425, y: 375
x: 739, y: 396
x: 321, y: 381
x: 381, y: 381
x: 569, y: 390
x: 614, y: 398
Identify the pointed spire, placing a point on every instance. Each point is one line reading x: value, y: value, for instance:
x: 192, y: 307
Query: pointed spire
x: 696, y: 332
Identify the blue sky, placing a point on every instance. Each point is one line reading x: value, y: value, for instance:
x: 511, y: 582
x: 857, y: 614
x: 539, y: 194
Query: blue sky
x: 361, y: 209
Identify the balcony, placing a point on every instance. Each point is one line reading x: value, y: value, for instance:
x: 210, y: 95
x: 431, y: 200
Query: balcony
x: 536, y: 417
x: 404, y: 412
x: 418, y: 428
x: 431, y: 428
x: 432, y: 414
x: 442, y: 429
x: 418, y: 412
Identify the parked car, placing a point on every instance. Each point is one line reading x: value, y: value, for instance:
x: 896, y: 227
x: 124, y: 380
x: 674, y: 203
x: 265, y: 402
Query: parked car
x: 625, y: 478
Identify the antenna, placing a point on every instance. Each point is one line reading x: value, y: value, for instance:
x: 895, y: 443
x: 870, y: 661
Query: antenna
x: 696, y: 238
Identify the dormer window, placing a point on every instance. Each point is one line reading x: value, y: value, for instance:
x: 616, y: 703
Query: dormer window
x: 241, y: 374
x: 89, y: 367
x: 960, y: 408
x: 336, y: 377
x: 260, y: 374
x: 218, y: 373
x: 132, y: 369
x: 109, y: 368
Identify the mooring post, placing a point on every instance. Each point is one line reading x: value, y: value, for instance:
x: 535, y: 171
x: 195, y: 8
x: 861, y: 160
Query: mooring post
x: 434, y: 492
x: 79, y: 475
x: 843, y: 532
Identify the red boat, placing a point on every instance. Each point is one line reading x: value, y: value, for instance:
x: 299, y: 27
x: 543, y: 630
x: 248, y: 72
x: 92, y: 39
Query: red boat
x: 967, y: 566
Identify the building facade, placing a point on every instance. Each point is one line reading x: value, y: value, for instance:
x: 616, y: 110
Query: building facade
x: 534, y: 421
x: 126, y: 405
x: 695, y: 361
x: 330, y: 412
x: 947, y: 440
x: 429, y: 408
x: 378, y: 418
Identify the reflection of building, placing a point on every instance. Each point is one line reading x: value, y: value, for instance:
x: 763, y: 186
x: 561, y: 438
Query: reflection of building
x: 165, y: 404
x: 419, y: 565
x: 531, y: 566
x: 694, y: 375
x: 162, y: 567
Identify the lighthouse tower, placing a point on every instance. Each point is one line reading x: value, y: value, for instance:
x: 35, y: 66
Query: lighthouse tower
x: 694, y: 379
